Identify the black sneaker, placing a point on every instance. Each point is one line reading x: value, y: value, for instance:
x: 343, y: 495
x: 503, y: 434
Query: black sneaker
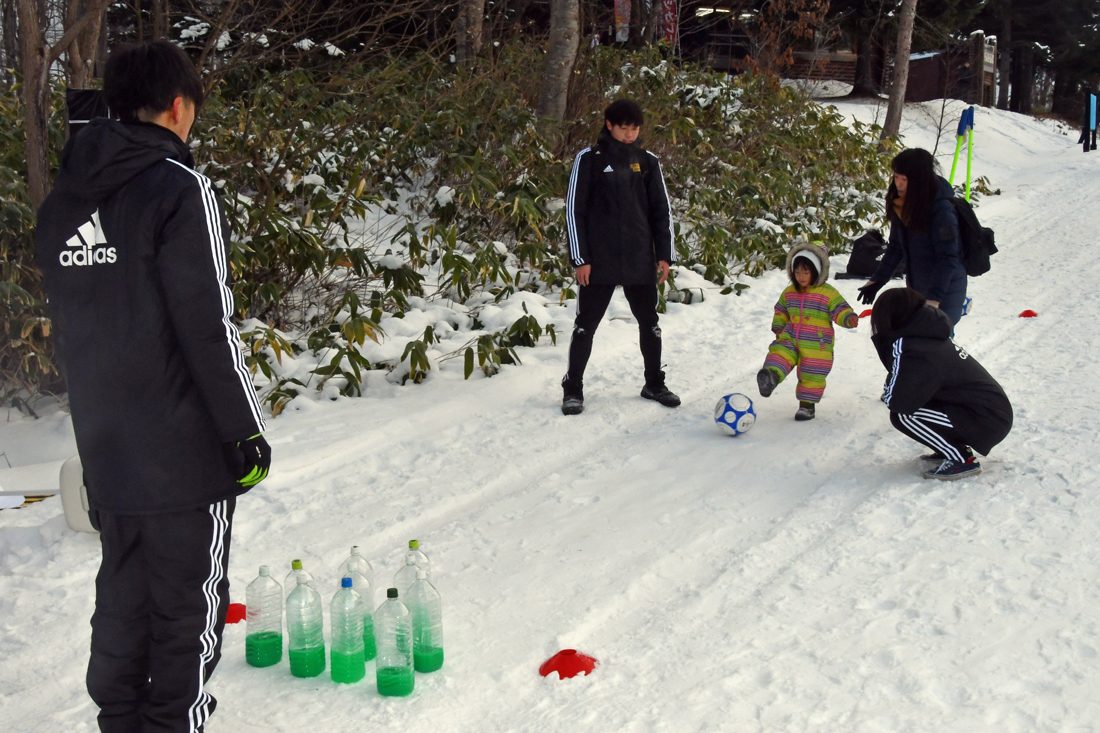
x: 950, y: 470
x: 662, y: 394
x: 805, y: 412
x: 572, y: 401
x: 767, y: 380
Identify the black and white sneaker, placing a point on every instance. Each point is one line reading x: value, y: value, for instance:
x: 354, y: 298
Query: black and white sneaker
x: 950, y: 470
x: 766, y: 381
x: 805, y: 412
x: 572, y: 401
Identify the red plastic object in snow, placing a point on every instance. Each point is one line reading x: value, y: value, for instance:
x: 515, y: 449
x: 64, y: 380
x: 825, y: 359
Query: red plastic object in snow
x: 235, y: 614
x: 865, y: 313
x: 1028, y: 313
x: 568, y: 663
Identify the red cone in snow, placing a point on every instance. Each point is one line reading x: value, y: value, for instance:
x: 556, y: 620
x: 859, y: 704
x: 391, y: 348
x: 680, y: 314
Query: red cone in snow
x: 235, y: 614
x: 865, y: 313
x: 1028, y: 313
x: 568, y: 663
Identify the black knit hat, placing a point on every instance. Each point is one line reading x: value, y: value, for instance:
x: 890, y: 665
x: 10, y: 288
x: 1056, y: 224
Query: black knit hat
x: 895, y: 308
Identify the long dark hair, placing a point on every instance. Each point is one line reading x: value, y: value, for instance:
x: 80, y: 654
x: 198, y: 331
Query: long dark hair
x: 918, y: 165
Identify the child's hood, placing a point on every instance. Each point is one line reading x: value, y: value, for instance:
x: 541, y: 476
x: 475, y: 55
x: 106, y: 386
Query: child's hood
x: 815, y: 253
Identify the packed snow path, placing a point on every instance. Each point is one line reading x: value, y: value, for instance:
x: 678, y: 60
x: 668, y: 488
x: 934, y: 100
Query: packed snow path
x: 802, y: 577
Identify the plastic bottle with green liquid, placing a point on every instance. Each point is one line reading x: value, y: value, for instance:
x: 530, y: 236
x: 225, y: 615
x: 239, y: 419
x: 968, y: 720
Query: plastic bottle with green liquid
x: 263, y: 641
x: 359, y: 569
x: 414, y: 559
x: 426, y: 607
x: 346, y: 638
x: 305, y: 631
x: 393, y: 637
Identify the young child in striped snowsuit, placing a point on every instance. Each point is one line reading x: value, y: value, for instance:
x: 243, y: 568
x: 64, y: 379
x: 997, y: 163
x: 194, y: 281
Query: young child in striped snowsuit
x: 803, y: 328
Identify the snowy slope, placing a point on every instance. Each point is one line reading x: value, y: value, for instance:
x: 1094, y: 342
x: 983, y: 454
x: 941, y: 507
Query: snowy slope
x: 800, y: 578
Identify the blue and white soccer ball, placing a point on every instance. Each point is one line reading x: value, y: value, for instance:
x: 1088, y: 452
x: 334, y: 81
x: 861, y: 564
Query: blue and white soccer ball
x: 734, y: 414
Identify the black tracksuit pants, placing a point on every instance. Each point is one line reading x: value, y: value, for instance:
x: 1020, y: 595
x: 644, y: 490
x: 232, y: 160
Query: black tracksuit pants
x: 935, y: 429
x: 161, y: 597
x: 592, y: 302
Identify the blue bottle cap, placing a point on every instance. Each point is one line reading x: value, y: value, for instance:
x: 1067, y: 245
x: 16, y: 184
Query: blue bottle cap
x: 345, y: 582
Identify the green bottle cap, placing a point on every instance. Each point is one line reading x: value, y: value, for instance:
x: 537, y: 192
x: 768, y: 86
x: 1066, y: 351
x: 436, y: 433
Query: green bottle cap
x: 414, y: 544
x: 295, y: 564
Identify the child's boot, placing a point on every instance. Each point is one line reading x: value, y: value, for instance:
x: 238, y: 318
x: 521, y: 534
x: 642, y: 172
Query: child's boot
x: 805, y: 411
x: 767, y: 380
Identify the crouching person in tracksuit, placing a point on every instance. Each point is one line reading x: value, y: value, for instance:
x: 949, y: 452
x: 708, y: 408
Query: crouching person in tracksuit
x: 938, y: 394
x: 132, y: 245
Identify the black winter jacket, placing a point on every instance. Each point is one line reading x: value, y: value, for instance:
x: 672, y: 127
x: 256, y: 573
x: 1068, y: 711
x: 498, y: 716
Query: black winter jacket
x: 132, y: 244
x: 927, y: 369
x: 934, y: 265
x: 617, y: 213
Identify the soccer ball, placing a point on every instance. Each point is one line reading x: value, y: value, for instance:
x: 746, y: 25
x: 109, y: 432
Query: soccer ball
x: 734, y: 414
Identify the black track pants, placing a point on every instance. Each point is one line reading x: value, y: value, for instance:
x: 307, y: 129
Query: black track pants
x: 161, y: 597
x: 934, y: 429
x: 592, y: 302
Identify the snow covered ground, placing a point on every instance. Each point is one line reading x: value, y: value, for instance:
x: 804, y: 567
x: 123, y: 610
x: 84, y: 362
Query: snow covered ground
x: 802, y: 577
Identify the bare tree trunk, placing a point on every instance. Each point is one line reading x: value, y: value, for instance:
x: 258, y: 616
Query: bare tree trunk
x: 35, y: 102
x: 37, y: 58
x: 9, y: 52
x: 1004, y: 57
x: 901, y: 69
x: 84, y: 50
x: 1023, y: 79
x: 565, y: 37
x: 469, y: 31
x: 159, y: 9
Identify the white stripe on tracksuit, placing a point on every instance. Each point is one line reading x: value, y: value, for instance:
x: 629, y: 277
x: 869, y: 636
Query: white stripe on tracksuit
x: 671, y: 229
x: 218, y: 254
x: 895, y: 367
x: 199, y: 711
x: 922, y: 424
x: 570, y: 220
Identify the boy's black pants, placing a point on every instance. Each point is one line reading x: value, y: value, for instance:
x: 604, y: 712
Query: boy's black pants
x: 161, y: 597
x: 592, y: 302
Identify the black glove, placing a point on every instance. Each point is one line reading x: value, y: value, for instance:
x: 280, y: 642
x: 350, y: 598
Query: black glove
x: 249, y: 459
x: 868, y: 292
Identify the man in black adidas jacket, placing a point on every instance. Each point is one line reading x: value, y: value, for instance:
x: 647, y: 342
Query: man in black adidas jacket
x: 132, y: 244
x: 619, y: 225
x: 938, y: 394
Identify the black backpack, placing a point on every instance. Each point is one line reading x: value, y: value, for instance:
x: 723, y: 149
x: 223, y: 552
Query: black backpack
x: 867, y: 251
x: 976, y: 241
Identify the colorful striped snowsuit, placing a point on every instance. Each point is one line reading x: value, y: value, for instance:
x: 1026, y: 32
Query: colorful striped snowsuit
x: 804, y: 336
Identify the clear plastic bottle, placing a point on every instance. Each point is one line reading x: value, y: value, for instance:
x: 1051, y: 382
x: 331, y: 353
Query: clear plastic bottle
x: 414, y: 559
x: 358, y: 568
x: 426, y: 607
x: 346, y: 638
x: 290, y: 582
x: 305, y: 630
x: 263, y: 642
x: 393, y: 636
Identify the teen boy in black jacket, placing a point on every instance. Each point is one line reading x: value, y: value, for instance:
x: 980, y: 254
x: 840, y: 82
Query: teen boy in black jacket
x: 132, y: 243
x: 619, y: 226
x: 938, y: 394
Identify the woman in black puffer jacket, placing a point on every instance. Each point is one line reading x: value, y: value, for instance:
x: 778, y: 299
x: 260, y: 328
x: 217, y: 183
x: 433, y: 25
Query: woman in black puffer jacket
x: 924, y: 230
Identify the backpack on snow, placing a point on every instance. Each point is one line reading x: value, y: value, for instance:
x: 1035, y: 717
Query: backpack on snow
x: 867, y: 252
x: 977, y: 241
